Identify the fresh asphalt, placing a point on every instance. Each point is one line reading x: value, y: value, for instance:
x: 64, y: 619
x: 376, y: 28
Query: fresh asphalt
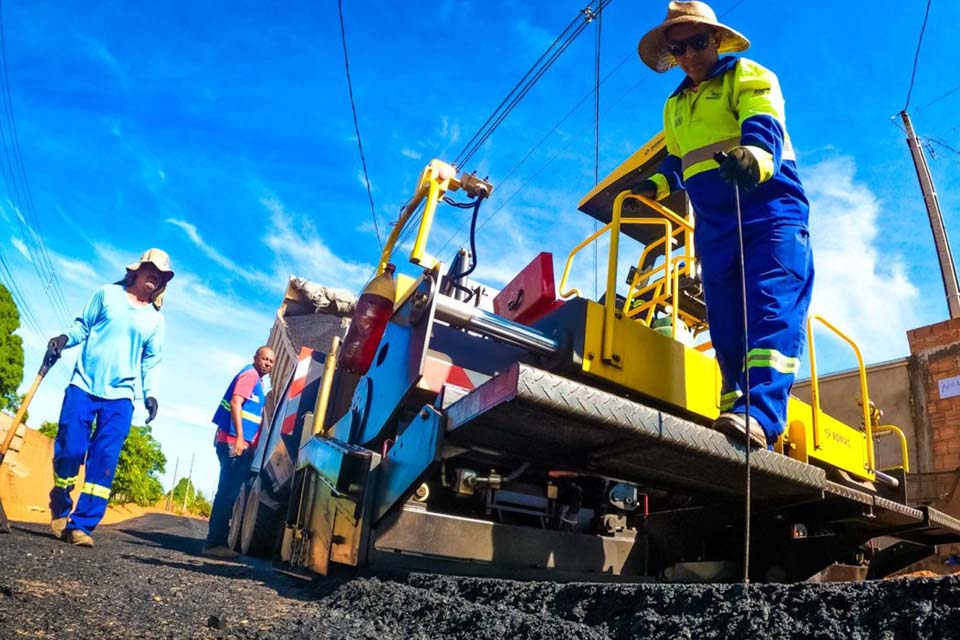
x: 146, y: 579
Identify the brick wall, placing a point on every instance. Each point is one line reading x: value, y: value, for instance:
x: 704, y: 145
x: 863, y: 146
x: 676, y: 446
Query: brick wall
x: 935, y: 358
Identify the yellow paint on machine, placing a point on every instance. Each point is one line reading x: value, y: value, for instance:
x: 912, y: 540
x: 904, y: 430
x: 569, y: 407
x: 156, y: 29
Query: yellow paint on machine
x: 841, y: 446
x: 653, y: 364
x: 659, y: 367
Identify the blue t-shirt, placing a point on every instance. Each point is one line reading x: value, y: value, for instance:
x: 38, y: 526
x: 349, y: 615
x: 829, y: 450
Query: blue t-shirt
x: 121, y: 342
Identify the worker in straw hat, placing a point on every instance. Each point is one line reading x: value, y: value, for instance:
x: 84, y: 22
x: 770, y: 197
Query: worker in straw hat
x: 733, y: 105
x: 120, y: 333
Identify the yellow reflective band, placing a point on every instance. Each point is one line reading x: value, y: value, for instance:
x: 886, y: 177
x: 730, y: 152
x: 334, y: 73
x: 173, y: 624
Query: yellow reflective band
x: 773, y: 359
x: 63, y: 483
x: 727, y: 400
x: 663, y: 187
x: 96, y: 490
x: 252, y: 417
x: 700, y: 167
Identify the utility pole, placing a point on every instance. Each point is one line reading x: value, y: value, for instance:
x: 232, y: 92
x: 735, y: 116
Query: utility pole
x: 173, y: 486
x: 186, y: 489
x: 940, y: 240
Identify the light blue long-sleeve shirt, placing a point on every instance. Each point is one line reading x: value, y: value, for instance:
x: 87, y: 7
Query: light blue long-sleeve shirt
x: 121, y: 342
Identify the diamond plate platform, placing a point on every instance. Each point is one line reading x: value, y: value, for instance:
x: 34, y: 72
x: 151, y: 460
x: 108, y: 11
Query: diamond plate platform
x: 550, y: 419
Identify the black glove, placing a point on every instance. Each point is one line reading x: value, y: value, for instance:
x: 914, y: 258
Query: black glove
x: 647, y: 188
x: 54, y: 349
x: 151, y: 405
x: 741, y: 166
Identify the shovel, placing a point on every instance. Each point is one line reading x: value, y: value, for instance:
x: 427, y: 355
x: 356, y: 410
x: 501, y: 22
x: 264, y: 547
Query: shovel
x: 17, y: 419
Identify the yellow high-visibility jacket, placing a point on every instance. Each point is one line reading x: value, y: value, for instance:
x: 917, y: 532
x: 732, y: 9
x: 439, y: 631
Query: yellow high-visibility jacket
x: 740, y: 104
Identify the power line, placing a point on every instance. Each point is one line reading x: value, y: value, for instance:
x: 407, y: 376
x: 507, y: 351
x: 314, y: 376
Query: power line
x: 356, y: 124
x: 461, y: 157
x: 596, y: 150
x: 732, y: 7
x: 936, y: 100
x: 630, y: 55
x: 523, y: 87
x: 6, y: 274
x: 52, y: 279
x: 546, y: 164
x: 18, y: 187
x: 916, y: 55
x: 504, y: 180
x: 943, y: 145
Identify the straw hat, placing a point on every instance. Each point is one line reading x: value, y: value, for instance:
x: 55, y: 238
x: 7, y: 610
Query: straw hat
x: 158, y: 258
x: 654, y: 49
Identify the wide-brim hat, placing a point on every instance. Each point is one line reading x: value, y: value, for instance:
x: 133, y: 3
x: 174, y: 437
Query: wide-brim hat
x: 159, y: 259
x: 654, y: 49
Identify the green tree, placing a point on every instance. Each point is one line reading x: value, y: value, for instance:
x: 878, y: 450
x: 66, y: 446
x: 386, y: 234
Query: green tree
x: 141, y: 461
x: 48, y: 429
x: 11, y: 350
x: 196, y: 502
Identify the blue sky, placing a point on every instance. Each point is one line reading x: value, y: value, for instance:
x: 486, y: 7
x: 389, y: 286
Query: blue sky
x: 222, y: 132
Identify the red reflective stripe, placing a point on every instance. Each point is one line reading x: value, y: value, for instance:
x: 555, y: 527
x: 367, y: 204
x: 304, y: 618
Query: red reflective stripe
x: 289, y: 422
x: 300, y: 373
x: 459, y: 378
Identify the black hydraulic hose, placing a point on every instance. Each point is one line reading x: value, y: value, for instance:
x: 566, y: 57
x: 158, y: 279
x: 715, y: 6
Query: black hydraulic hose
x: 516, y: 472
x: 473, y: 244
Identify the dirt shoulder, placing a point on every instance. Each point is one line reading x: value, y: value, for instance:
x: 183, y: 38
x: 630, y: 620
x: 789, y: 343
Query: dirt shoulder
x: 145, y: 579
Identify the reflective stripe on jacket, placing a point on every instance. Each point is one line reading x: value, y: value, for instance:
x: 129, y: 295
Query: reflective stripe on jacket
x: 740, y: 104
x: 252, y: 409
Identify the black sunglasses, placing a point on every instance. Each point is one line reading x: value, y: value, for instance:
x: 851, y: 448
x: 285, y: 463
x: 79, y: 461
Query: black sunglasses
x: 698, y: 42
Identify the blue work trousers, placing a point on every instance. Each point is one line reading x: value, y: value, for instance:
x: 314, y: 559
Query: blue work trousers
x: 99, y: 452
x: 778, y: 266
x: 233, y: 473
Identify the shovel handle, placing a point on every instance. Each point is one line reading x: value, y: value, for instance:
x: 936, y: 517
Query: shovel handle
x: 17, y: 419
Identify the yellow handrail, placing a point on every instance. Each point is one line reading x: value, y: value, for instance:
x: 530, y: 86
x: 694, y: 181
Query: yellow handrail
x: 437, y: 178
x: 889, y: 428
x: 815, y: 387
x: 610, y: 299
x: 566, y: 293
x: 566, y: 268
x: 664, y: 288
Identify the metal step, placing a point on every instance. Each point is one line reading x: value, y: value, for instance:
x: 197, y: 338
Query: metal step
x: 539, y: 416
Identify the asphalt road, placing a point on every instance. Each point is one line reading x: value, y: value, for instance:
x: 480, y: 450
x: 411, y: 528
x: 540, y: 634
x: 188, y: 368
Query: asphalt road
x: 145, y: 579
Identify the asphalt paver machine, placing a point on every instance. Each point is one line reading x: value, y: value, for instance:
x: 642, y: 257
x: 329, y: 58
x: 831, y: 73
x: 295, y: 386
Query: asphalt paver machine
x: 539, y: 433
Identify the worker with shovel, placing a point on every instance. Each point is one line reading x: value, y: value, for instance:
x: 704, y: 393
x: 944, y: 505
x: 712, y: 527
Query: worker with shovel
x: 120, y: 333
x: 733, y: 107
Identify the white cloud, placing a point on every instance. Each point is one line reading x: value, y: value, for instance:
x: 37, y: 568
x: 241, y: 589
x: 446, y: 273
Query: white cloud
x: 97, y: 50
x: 362, y: 179
x: 77, y: 272
x: 449, y: 132
x: 189, y: 296
x: 410, y: 153
x: 248, y: 274
x: 19, y: 245
x: 299, y: 249
x: 856, y: 288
